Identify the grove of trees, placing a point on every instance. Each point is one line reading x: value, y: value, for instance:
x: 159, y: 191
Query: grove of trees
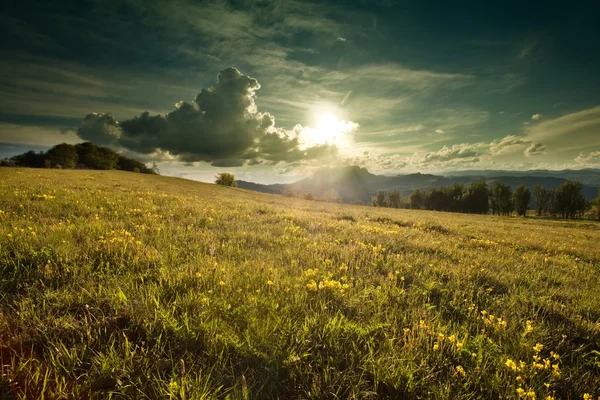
x: 565, y: 201
x: 81, y: 156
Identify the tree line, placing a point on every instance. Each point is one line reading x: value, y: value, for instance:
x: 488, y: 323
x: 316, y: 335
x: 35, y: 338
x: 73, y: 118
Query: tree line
x: 79, y: 156
x: 565, y: 201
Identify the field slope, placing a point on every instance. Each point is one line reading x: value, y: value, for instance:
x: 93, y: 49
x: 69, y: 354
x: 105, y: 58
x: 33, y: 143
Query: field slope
x: 122, y: 285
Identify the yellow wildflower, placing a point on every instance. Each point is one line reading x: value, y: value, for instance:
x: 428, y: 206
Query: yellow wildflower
x: 538, y: 347
x: 528, y: 327
x: 511, y: 364
x: 312, y: 286
x: 460, y: 370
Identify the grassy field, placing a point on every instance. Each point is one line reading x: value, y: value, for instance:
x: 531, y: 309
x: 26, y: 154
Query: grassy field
x: 121, y: 285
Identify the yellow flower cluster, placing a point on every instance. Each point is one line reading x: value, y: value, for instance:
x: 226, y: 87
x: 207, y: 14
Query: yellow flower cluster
x: 493, y: 321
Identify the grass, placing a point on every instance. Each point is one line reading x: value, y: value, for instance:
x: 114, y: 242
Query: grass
x: 121, y: 285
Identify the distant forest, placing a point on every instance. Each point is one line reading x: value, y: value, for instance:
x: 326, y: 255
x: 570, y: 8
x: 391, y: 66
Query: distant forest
x: 79, y: 156
x: 565, y: 201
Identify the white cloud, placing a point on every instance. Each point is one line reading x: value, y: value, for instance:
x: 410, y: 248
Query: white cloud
x: 590, y: 159
x: 507, y: 144
x: 447, y: 154
x: 535, y: 149
x: 572, y: 132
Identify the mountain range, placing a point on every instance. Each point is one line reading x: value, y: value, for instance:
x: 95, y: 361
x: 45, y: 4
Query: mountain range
x: 354, y: 183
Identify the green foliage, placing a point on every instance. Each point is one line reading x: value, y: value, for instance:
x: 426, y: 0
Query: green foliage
x: 380, y: 199
x: 393, y: 198
x: 542, y: 198
x: 476, y: 198
x: 225, y: 179
x: 596, y: 205
x: 570, y: 202
x: 63, y: 154
x: 520, y: 199
x: 83, y: 156
x: 308, y: 196
x: 501, y: 201
x: 167, y: 288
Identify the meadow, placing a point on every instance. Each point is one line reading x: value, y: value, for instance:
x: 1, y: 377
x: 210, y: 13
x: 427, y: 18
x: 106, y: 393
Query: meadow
x: 122, y: 285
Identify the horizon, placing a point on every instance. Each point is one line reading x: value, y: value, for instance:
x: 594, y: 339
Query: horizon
x: 273, y: 91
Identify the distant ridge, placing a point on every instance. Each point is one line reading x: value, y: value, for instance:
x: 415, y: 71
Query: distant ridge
x: 354, y: 183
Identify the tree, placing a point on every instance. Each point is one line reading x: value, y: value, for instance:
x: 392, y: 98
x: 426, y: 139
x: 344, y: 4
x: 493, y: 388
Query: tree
x: 64, y: 155
x: 437, y: 200
x: 501, y: 199
x: 596, y: 205
x: 331, y: 196
x: 380, y: 199
x: 541, y: 199
x: 225, y: 179
x: 476, y: 199
x: 417, y: 199
x: 570, y: 202
x: 454, y: 196
x: 393, y: 198
x: 520, y: 198
x: 29, y: 159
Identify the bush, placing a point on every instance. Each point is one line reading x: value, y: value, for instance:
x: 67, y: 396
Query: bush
x: 308, y: 196
x: 225, y: 179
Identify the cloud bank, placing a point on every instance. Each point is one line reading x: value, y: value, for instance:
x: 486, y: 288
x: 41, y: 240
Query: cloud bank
x: 221, y: 126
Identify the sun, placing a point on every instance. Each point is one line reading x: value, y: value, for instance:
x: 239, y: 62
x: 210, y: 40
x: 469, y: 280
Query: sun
x: 328, y: 128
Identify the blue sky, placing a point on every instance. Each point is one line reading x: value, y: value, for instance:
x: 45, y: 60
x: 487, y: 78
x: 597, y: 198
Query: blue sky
x: 394, y: 86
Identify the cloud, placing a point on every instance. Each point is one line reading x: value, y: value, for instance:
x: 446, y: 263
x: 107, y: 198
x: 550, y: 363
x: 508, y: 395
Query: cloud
x: 534, y: 149
x: 101, y: 129
x: 572, y: 132
x: 535, y: 117
x: 507, y: 144
x: 35, y: 135
x: 446, y: 154
x: 222, y: 126
x: 591, y: 158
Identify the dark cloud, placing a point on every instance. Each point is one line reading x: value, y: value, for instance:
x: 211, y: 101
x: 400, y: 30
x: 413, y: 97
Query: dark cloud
x: 222, y: 126
x: 101, y: 129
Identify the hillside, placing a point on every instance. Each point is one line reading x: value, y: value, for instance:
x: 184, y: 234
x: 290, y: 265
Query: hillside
x: 356, y: 183
x: 143, y: 286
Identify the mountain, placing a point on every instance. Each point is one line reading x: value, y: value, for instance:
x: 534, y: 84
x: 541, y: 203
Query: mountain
x: 355, y: 183
x: 588, y: 176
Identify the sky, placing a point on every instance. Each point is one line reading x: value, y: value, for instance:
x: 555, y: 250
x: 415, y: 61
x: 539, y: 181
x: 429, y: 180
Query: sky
x: 273, y: 90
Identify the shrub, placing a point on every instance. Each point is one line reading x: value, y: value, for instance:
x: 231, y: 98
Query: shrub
x: 225, y: 179
x: 308, y: 196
